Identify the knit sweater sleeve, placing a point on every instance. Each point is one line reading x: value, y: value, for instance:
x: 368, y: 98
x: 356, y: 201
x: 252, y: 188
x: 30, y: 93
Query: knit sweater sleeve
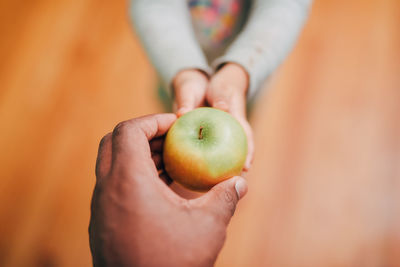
x: 165, y: 30
x: 268, y: 36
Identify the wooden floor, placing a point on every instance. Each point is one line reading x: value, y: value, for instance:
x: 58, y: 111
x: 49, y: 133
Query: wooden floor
x: 325, y: 186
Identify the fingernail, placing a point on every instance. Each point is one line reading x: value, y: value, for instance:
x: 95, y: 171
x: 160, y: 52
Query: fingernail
x: 221, y: 105
x: 240, y: 187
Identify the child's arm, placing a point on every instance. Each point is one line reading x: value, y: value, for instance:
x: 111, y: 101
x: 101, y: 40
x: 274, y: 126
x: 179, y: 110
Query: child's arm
x: 269, y: 35
x: 165, y: 29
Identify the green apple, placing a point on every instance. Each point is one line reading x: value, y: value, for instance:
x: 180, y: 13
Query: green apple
x: 204, y: 147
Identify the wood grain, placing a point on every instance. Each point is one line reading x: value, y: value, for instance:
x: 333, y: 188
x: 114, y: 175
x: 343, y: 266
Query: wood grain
x: 325, y: 184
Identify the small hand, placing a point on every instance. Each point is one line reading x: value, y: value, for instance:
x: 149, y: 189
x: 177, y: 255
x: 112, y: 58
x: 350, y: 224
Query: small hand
x: 227, y: 91
x: 136, y: 220
x: 189, y: 89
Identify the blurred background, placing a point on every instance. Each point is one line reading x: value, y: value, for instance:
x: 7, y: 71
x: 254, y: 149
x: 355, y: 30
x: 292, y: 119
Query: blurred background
x: 324, y: 189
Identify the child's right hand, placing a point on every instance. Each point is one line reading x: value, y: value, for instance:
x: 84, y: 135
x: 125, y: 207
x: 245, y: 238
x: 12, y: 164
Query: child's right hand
x: 227, y: 91
x: 190, y: 89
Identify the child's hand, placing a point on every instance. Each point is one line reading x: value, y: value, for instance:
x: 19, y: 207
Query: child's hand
x: 227, y: 91
x: 190, y: 89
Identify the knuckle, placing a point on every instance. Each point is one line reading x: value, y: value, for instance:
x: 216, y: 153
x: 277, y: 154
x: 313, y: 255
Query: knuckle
x: 146, y: 126
x: 186, y: 205
x: 229, y: 199
x: 228, y: 196
x: 120, y: 128
x: 124, y: 128
x: 104, y: 140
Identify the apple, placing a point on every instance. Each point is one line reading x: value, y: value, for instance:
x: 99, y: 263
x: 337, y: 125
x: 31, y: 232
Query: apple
x: 204, y: 147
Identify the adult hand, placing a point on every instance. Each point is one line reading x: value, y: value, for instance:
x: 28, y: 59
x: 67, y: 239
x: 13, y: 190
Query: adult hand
x: 227, y: 91
x: 136, y: 220
x: 189, y: 90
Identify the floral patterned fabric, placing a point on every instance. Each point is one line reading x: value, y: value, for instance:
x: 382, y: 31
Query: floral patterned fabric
x: 215, y: 21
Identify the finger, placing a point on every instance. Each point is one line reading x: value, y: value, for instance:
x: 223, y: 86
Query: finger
x: 222, y: 199
x: 238, y: 110
x: 150, y: 127
x: 219, y: 96
x: 157, y: 144
x: 155, y: 125
x: 185, y: 102
x: 250, y: 150
x: 132, y: 165
x: 237, y: 106
x: 250, y: 143
x: 103, y: 162
x: 130, y: 140
x: 190, y: 95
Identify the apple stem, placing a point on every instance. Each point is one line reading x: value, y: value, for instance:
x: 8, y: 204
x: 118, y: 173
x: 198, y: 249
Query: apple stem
x: 201, y: 133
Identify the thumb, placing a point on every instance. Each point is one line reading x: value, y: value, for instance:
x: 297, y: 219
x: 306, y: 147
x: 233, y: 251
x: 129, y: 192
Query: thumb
x: 219, y: 98
x: 189, y: 97
x: 190, y: 91
x: 222, y: 199
x: 186, y: 101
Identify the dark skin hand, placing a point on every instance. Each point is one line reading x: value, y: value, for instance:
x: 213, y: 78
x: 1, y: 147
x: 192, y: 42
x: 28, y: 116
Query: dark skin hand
x: 137, y: 220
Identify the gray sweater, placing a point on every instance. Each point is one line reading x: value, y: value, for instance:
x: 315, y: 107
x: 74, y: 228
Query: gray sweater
x: 269, y: 33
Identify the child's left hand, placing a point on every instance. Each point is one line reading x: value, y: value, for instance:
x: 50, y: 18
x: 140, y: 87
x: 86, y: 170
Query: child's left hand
x: 227, y: 91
